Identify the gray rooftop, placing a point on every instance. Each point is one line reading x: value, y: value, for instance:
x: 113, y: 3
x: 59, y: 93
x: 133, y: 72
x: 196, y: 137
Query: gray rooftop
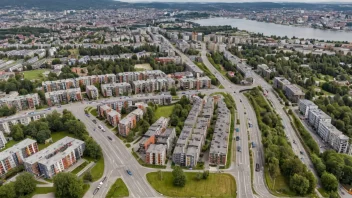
x: 15, y: 148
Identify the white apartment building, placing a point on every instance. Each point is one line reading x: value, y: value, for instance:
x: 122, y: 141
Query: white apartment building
x: 315, y: 116
x: 3, y: 140
x: 6, y: 123
x: 338, y: 141
x: 305, y: 106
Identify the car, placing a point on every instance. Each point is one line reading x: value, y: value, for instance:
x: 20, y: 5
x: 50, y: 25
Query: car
x: 294, y: 141
x: 301, y: 152
x: 245, y: 112
x: 240, y: 100
x: 237, y: 138
x: 234, y: 92
x: 257, y: 167
x: 99, y: 126
x: 239, y: 149
x: 129, y: 172
x: 94, y: 121
x: 109, y: 138
x: 103, y: 129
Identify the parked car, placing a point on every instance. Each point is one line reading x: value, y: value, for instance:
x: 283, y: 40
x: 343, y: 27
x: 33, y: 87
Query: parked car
x: 237, y: 138
x: 109, y: 138
x: 239, y: 149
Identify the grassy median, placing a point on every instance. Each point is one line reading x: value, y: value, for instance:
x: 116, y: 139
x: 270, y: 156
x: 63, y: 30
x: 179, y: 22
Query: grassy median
x: 217, y: 185
x: 118, y: 189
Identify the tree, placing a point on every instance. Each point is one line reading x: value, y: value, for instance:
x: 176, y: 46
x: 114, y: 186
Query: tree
x: 88, y: 176
x: 17, y: 132
x: 123, y: 110
x: 8, y: 190
x: 92, y: 149
x: 43, y: 135
x: 347, y: 175
x: 25, y: 184
x: 67, y: 185
x: 329, y: 181
x: 75, y: 127
x: 205, y: 174
x: 274, y: 168
x: 150, y: 115
x: 299, y: 184
x: 173, y: 91
x: 179, y: 177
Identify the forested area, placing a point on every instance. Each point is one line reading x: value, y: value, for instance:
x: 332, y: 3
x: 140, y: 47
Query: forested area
x: 279, y: 157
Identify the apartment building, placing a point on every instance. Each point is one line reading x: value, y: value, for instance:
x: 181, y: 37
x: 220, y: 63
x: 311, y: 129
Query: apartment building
x: 125, y: 102
x: 305, y: 106
x: 219, y: 143
x: 315, y: 116
x: 63, y: 96
x: 167, y: 138
x: 338, y: 141
x: 155, y: 129
x: 56, y: 158
x: 129, y: 77
x: 129, y: 122
x: 15, y: 155
x: 25, y: 119
x: 103, y: 110
x: 195, y: 83
x: 49, y: 86
x: 294, y: 93
x: 116, y: 89
x: 264, y: 70
x: 3, y: 140
x: 156, y: 154
x: 152, y: 85
x: 29, y: 101
x: 280, y: 83
x: 113, y: 118
x: 188, y: 145
x: 92, y: 92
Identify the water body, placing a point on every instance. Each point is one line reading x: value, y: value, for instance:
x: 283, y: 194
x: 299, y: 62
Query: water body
x: 269, y: 29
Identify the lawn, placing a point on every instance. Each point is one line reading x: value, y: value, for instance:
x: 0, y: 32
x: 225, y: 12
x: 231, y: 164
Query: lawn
x: 94, y: 112
x: 164, y: 111
x: 34, y: 74
x: 98, y: 169
x: 118, y: 189
x: 80, y: 167
x: 281, y: 187
x: 217, y: 185
x: 10, y: 144
x: 55, y: 137
x: 42, y: 190
x: 323, y: 192
x: 84, y: 189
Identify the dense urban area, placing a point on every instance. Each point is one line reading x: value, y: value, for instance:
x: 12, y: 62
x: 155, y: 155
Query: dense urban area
x: 111, y: 99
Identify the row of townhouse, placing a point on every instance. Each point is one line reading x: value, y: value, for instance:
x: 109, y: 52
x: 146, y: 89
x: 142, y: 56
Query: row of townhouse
x: 15, y: 155
x: 6, y: 123
x: 219, y: 143
x: 63, y: 96
x: 25, y: 102
x: 195, y: 83
x: 193, y: 134
x: 321, y: 122
x: 126, y: 102
x: 292, y: 91
x: 152, y: 85
x: 130, y: 121
x: 55, y: 158
x: 116, y: 89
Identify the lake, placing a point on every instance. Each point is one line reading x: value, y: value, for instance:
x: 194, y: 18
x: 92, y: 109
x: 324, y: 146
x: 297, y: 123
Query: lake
x: 278, y: 30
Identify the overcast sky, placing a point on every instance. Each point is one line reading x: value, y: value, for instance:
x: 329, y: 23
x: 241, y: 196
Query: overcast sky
x: 228, y: 1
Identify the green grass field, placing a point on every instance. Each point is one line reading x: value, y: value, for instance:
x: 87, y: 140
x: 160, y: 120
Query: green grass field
x: 164, y: 111
x: 281, y: 187
x: 10, y: 144
x: 80, y: 167
x: 55, y: 136
x: 34, y: 74
x: 42, y: 190
x: 118, y: 189
x: 98, y: 169
x: 217, y: 185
